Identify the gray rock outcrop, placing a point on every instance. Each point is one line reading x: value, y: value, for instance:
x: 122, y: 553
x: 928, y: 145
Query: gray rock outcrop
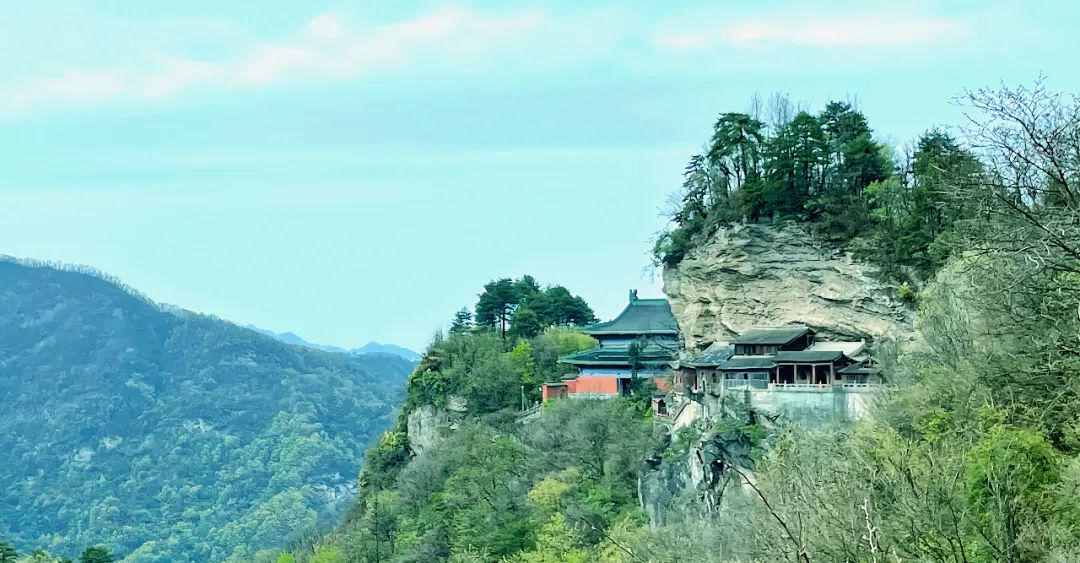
x: 429, y: 425
x: 753, y: 276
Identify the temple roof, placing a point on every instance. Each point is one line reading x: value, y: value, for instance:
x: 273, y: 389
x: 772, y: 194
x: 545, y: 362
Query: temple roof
x: 715, y: 355
x: 809, y: 356
x: 748, y: 362
x: 641, y: 316
x: 865, y: 367
x: 850, y: 349
x: 652, y: 355
x: 771, y: 336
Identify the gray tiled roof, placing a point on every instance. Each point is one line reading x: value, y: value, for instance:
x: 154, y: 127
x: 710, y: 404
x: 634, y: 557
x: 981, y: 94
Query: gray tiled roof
x: 714, y: 355
x: 641, y: 316
x: 652, y: 355
x: 748, y: 362
x: 822, y: 356
x: 771, y: 336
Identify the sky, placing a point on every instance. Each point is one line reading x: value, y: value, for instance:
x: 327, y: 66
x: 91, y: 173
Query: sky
x: 356, y: 171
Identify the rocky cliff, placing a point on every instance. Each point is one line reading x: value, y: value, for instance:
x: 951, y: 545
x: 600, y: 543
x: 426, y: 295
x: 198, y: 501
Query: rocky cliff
x: 751, y: 276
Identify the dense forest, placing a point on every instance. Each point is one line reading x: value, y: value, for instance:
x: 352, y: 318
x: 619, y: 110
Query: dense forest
x: 973, y: 454
x: 154, y: 434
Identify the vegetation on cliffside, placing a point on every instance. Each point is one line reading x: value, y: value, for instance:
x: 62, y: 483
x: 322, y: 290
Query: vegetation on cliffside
x: 560, y: 488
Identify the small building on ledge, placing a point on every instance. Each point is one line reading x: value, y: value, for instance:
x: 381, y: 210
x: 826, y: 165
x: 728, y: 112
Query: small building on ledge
x: 777, y: 357
x: 642, y: 342
x: 779, y: 371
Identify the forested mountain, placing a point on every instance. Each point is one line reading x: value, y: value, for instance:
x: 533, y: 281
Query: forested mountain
x: 970, y: 454
x: 166, y: 435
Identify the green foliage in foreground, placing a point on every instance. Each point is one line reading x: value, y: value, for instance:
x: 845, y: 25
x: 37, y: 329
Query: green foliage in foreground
x: 170, y: 437
x: 551, y: 490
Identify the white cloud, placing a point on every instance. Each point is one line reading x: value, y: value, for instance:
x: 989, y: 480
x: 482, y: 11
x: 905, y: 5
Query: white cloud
x: 327, y: 47
x: 818, y: 31
x: 330, y: 47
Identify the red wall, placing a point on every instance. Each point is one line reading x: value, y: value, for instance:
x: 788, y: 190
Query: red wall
x: 555, y: 391
x: 596, y: 384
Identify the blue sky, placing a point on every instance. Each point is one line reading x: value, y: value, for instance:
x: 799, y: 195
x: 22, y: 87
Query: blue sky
x: 355, y: 171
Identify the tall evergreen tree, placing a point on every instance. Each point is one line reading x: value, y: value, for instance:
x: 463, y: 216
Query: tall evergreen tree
x: 463, y: 321
x: 497, y: 303
x: 796, y: 163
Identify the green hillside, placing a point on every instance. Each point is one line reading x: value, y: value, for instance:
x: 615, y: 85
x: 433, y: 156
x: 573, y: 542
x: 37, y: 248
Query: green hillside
x: 170, y: 436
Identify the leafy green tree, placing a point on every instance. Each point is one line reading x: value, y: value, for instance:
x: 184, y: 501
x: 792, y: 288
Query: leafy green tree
x: 556, y: 542
x: 554, y: 343
x: 526, y: 322
x: 97, y: 554
x: 7, y: 553
x: 523, y: 357
x: 633, y: 352
x: 1009, y: 474
x: 557, y: 306
x: 327, y: 554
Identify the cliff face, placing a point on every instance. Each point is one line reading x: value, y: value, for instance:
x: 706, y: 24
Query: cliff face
x: 428, y: 425
x: 752, y: 276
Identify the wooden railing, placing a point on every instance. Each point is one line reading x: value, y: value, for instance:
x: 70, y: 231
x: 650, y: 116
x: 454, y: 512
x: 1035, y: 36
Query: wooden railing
x: 530, y: 413
x: 824, y: 386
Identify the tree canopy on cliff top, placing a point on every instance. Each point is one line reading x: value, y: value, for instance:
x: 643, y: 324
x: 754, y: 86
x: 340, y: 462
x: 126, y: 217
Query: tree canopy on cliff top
x: 828, y: 170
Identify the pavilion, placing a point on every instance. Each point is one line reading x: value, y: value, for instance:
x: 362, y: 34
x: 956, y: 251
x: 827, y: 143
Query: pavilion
x: 641, y: 343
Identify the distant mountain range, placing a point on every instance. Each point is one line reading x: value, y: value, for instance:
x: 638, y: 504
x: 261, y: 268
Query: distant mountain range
x: 369, y: 348
x: 392, y: 349
x: 167, y: 435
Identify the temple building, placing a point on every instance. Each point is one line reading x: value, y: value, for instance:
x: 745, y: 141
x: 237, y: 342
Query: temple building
x: 642, y: 342
x: 776, y: 358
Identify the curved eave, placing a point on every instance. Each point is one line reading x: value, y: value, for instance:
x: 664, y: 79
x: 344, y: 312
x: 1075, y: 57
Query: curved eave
x: 646, y: 363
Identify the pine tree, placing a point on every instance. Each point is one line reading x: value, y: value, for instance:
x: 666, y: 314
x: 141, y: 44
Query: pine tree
x: 497, y: 304
x: 463, y: 321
